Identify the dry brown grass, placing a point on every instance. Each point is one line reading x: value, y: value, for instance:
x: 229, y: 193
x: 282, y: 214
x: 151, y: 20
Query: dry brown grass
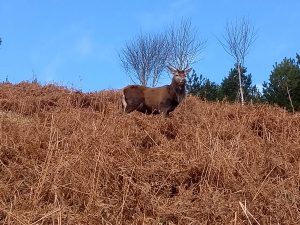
x: 73, y: 158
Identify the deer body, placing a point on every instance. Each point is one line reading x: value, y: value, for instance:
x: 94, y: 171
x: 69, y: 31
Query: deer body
x: 155, y: 100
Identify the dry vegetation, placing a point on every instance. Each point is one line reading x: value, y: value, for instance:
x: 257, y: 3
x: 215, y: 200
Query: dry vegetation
x: 73, y: 158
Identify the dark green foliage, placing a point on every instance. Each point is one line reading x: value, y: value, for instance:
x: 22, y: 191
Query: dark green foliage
x: 210, y: 90
x: 256, y: 95
x: 202, y: 87
x: 284, y: 80
x: 193, y: 84
x: 229, y: 88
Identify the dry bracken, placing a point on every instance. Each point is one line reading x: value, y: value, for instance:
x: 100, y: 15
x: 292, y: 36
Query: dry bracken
x: 68, y: 157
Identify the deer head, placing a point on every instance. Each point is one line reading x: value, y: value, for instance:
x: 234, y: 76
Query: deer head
x: 179, y: 75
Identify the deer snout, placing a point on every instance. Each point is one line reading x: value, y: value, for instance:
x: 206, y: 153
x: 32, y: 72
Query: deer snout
x: 182, y: 82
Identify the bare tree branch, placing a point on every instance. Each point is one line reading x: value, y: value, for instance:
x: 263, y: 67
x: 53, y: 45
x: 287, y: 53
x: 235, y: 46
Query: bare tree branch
x: 184, y: 45
x: 236, y: 41
x: 144, y: 58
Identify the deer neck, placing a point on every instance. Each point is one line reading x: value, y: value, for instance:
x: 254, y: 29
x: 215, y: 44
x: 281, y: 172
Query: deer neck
x: 177, y: 90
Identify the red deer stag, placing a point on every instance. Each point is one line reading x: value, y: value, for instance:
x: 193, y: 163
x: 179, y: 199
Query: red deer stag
x: 156, y: 100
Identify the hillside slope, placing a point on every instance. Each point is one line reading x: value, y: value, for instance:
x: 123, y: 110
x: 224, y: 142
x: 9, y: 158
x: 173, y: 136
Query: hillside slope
x: 73, y: 158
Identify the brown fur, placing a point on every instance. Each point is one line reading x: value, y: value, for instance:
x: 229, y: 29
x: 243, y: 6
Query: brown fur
x: 155, y: 100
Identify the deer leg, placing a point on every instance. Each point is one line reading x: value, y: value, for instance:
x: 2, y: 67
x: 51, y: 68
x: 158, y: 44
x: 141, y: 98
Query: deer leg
x: 132, y: 107
x: 124, y: 103
x: 164, y: 111
x: 128, y: 106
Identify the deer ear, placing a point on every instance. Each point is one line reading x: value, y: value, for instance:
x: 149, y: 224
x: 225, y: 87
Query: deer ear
x: 187, y: 71
x: 172, y: 70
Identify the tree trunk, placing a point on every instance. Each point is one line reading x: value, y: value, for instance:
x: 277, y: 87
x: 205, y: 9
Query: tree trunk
x: 155, y: 78
x: 240, y: 84
x: 290, y: 99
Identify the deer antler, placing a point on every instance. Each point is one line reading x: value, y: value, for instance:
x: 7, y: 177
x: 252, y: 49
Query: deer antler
x: 187, y: 66
x: 170, y: 65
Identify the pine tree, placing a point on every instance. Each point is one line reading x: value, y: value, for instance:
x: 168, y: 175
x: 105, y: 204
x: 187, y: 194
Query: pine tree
x: 202, y: 87
x: 230, y: 89
x: 193, y: 84
x: 283, y: 87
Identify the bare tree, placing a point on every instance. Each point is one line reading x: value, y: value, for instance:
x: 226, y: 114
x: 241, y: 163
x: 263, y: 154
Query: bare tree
x: 184, y: 45
x: 236, y: 41
x: 144, y: 58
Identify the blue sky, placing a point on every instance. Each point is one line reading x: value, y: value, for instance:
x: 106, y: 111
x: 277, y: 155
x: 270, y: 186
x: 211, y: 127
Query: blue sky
x: 75, y: 43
